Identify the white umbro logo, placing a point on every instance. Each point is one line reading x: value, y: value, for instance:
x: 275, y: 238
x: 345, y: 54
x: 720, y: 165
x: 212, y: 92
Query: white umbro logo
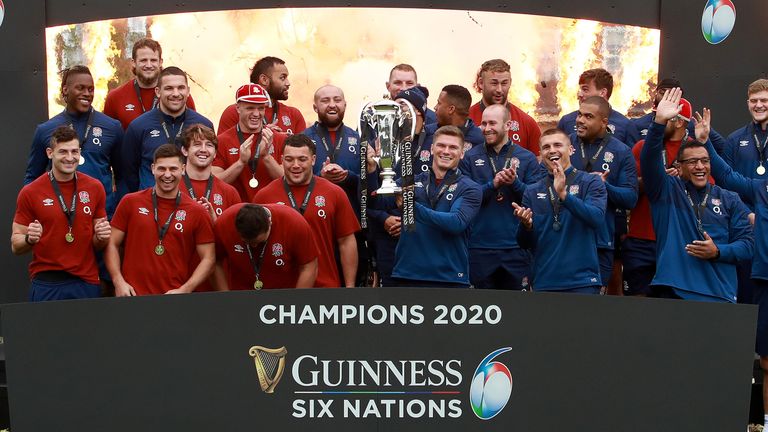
x: 541, y: 195
x: 479, y: 162
x: 130, y: 107
x: 234, y: 151
x: 47, y: 202
x: 154, y: 133
x: 239, y: 248
x: 743, y: 143
x: 143, y: 211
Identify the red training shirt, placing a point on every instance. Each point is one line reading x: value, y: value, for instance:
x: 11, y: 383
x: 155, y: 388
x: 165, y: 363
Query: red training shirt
x: 147, y: 272
x: 229, y: 153
x: 288, y: 247
x: 38, y: 201
x: 330, y: 217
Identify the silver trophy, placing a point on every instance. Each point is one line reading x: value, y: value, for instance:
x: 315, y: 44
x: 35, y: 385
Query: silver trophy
x: 386, y: 125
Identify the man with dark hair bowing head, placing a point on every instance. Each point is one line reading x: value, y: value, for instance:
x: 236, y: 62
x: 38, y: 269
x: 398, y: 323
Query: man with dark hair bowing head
x: 435, y: 253
x: 160, y: 230
x: 156, y: 127
x: 503, y: 169
x: 325, y: 207
x: 61, y: 218
x: 268, y: 246
x: 757, y: 189
x: 559, y: 219
x: 701, y: 230
x: 610, y: 160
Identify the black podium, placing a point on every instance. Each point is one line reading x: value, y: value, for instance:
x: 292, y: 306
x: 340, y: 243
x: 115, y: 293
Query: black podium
x: 378, y: 360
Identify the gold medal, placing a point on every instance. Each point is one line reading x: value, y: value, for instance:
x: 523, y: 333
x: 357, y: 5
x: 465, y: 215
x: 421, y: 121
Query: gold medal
x: 81, y: 161
x: 760, y: 170
x: 159, y: 250
x: 253, y: 183
x: 69, y: 237
x: 258, y: 284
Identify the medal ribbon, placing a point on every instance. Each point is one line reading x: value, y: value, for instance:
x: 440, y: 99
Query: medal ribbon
x: 507, y: 158
x: 88, y: 127
x: 760, y: 147
x: 137, y: 89
x: 162, y: 231
x: 253, y: 162
x: 208, y: 187
x: 553, y: 198
x: 449, y: 180
x: 275, y: 112
x: 165, y: 128
x: 257, y: 264
x: 292, y: 199
x: 588, y: 163
x: 68, y: 212
x: 698, y: 209
x: 324, y: 133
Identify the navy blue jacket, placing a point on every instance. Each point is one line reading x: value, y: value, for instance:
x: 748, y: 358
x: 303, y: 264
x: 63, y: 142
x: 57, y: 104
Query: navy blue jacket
x: 565, y: 259
x: 437, y: 250
x: 621, y: 127
x: 101, y: 149
x: 621, y: 182
x: 741, y: 153
x: 757, y: 189
x: 143, y: 136
x: 348, y: 157
x: 723, y: 218
x: 644, y: 122
x: 473, y: 136
x: 496, y: 224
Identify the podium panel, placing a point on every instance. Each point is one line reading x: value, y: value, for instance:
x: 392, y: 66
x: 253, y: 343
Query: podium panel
x: 378, y: 360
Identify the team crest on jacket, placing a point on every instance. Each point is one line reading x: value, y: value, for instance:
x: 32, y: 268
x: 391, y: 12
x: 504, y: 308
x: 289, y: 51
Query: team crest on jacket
x: 286, y: 120
x: 452, y: 187
x: 181, y: 215
x: 612, y: 128
x: 352, y: 141
x: 277, y: 250
x: 716, y: 201
x: 515, y: 126
x: 573, y: 189
x: 424, y: 155
x: 218, y: 200
x: 319, y: 201
x: 608, y: 157
x: 130, y: 107
x: 97, y: 132
x: 514, y: 163
x: 84, y: 197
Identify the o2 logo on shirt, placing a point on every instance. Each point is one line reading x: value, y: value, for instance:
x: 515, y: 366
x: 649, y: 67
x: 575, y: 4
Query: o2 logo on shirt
x: 717, y: 20
x: 181, y: 216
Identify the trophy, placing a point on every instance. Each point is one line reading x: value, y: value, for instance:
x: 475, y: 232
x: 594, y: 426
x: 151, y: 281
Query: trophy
x: 389, y: 126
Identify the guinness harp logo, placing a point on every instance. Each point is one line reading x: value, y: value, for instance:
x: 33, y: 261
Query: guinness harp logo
x: 270, y: 364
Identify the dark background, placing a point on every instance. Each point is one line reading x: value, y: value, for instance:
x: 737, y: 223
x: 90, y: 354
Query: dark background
x: 713, y: 75
x: 181, y: 363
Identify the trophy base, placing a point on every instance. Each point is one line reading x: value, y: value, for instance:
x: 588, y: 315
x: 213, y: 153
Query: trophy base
x: 389, y: 189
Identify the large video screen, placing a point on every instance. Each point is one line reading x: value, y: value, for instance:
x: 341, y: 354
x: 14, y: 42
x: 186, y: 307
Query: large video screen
x: 353, y: 49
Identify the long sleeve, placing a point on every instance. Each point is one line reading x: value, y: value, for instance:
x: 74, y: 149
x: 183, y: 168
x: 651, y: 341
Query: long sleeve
x: 623, y: 194
x: 726, y: 177
x: 131, y: 159
x: 591, y: 210
x: 740, y: 234
x: 38, y: 159
x: 456, y: 221
x: 651, y: 163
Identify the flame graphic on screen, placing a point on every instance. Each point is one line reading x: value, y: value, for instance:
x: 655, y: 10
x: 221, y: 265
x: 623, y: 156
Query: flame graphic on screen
x: 343, y: 47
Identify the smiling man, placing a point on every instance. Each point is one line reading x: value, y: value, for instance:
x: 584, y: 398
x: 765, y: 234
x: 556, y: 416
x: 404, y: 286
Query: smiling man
x: 137, y: 96
x: 100, y: 137
x: 60, y: 218
x: 156, y: 127
x: 325, y: 207
x: 701, y: 230
x: 610, y: 160
x: 436, y: 253
x: 162, y: 232
x: 559, y: 220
